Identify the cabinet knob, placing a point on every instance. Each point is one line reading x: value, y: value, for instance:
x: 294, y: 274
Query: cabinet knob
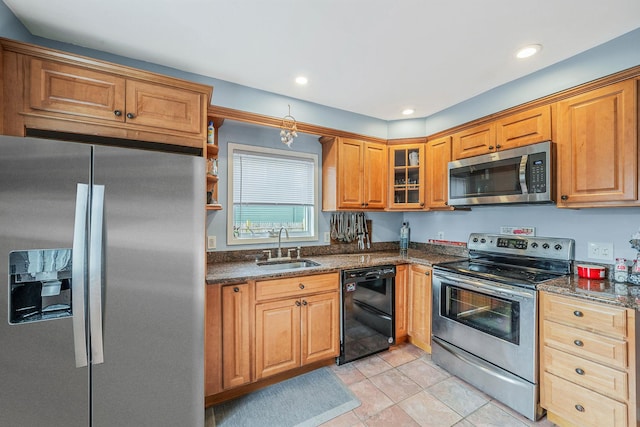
x: 579, y: 408
x: 564, y: 197
x: 491, y: 147
x: 578, y: 343
x: 117, y: 113
x: 301, y: 286
x: 297, y: 303
x: 498, y: 146
x: 578, y: 313
x: 236, y: 289
x: 579, y: 371
x: 422, y: 204
x: 304, y: 302
x: 130, y: 115
x: 427, y: 273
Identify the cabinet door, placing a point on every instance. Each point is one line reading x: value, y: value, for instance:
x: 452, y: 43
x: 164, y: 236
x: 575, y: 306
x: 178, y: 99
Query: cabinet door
x: 406, y: 176
x: 350, y: 172
x: 277, y: 337
x: 420, y: 306
x: 527, y: 127
x: 236, y: 349
x: 597, y: 140
x: 402, y: 311
x: 474, y: 141
x: 320, y: 327
x: 66, y: 89
x: 164, y: 107
x: 438, y: 157
x: 375, y: 176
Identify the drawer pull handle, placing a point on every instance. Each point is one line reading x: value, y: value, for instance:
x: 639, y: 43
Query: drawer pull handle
x: 579, y: 408
x: 301, y: 286
x: 578, y: 313
x: 297, y: 303
x: 236, y: 289
x: 578, y: 343
x: 579, y: 371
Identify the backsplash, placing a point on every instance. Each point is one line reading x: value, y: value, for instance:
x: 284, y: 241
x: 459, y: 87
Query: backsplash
x: 337, y: 249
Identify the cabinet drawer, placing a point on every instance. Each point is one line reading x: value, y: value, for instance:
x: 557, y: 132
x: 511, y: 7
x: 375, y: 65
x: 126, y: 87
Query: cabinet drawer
x: 296, y: 286
x: 607, y: 320
x: 581, y: 406
x: 586, y: 344
x: 602, y: 379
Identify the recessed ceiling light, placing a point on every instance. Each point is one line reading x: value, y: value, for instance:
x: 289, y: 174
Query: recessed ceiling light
x: 302, y: 80
x: 528, y: 51
x: 408, y: 111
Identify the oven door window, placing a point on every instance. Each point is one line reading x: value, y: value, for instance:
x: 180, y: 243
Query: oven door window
x: 489, y: 314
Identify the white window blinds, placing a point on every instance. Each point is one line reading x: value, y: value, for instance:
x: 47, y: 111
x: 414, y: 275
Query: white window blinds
x: 266, y: 179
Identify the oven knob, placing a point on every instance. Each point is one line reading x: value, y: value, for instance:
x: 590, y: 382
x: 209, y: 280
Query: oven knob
x: 558, y: 246
x: 534, y: 245
x: 545, y: 246
x: 483, y: 240
x: 475, y: 240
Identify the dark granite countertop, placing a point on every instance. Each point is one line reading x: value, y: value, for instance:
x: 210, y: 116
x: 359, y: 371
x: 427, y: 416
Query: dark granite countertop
x: 236, y: 272
x: 605, y: 291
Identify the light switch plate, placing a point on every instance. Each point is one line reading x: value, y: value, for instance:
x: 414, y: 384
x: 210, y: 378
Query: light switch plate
x: 211, y: 242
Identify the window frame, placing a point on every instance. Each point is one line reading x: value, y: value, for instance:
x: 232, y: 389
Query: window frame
x: 255, y: 149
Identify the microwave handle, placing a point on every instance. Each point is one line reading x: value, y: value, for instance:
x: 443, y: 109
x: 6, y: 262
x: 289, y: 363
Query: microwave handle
x: 523, y: 173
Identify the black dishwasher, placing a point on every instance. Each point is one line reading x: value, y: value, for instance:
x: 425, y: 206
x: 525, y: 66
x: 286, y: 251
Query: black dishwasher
x: 367, y: 323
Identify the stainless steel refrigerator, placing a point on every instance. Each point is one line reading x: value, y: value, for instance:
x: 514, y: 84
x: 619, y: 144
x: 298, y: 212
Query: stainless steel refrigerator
x: 102, y: 259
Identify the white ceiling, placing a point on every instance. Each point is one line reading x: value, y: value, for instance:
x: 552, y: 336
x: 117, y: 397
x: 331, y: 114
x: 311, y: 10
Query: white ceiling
x: 373, y: 57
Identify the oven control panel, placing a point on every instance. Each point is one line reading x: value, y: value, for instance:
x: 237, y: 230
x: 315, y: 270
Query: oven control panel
x: 539, y: 247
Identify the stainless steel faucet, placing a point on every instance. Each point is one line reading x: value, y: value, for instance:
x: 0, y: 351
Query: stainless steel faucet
x: 280, y: 238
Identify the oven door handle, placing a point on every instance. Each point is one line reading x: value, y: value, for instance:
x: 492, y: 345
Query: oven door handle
x: 492, y: 289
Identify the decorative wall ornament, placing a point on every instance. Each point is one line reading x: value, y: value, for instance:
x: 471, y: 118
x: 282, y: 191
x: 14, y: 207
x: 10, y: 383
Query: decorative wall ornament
x: 288, y: 129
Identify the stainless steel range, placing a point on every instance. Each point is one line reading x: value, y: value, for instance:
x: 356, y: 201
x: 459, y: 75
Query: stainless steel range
x: 485, y: 327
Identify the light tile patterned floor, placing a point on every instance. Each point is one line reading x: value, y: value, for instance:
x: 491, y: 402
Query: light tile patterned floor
x: 403, y: 387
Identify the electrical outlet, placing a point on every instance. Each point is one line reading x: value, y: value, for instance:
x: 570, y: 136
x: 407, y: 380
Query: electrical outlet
x: 211, y: 242
x: 600, y: 251
x: 327, y: 237
x: 440, y: 235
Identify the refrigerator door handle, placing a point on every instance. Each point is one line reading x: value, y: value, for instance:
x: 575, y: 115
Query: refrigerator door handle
x: 79, y: 258
x: 96, y: 270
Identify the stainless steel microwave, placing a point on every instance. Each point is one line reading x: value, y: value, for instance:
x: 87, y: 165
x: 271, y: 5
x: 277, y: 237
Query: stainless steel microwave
x: 517, y: 175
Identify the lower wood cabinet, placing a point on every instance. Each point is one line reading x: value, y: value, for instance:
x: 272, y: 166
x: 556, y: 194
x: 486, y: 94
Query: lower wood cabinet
x: 257, y: 329
x: 587, y: 362
x: 402, y: 310
x: 420, y: 306
x: 236, y: 338
x: 293, y: 332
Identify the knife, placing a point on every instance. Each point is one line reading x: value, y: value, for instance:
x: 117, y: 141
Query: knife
x: 366, y: 231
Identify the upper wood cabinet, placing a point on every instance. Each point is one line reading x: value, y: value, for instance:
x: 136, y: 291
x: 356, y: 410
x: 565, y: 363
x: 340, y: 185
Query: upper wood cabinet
x: 597, y: 140
x: 515, y: 130
x: 407, y: 176
x: 57, y: 91
x: 354, y: 174
x: 438, y: 158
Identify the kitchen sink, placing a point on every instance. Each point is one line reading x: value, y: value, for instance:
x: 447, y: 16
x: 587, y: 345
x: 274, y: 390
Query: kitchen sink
x: 287, y: 264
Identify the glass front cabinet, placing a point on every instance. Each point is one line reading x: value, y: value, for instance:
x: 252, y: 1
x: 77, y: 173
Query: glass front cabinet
x: 407, y: 175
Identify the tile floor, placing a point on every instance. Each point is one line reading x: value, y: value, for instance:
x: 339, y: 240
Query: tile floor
x: 404, y: 388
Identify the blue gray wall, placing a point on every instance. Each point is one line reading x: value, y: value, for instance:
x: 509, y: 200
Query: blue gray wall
x: 588, y: 225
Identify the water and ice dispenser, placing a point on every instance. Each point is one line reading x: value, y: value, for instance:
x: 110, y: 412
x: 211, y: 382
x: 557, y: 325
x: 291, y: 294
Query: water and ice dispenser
x: 39, y: 285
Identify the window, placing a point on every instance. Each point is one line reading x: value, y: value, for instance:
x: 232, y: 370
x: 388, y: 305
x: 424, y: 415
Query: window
x: 270, y: 189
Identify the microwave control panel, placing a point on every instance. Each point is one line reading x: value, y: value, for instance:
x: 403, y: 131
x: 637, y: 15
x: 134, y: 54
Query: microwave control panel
x: 537, y: 173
